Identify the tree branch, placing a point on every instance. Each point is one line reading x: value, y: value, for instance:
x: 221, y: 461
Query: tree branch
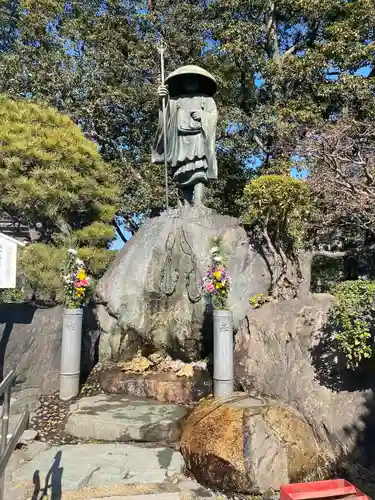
x: 292, y: 50
x: 261, y: 145
x: 302, y: 41
x: 332, y: 255
x: 273, y: 44
x: 119, y: 231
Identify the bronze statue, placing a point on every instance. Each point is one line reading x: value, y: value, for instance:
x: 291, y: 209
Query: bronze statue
x: 191, y: 117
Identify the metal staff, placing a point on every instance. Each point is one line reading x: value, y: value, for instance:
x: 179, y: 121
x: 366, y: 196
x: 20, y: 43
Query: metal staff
x: 161, y: 46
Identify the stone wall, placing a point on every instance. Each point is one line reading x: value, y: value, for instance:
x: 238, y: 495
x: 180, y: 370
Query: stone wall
x: 30, y: 343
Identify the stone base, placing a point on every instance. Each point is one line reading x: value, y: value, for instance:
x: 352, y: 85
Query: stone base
x: 165, y: 387
x: 124, y: 418
x: 247, y: 445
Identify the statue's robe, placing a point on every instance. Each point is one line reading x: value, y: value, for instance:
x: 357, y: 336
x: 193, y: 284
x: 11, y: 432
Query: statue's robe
x: 190, y: 143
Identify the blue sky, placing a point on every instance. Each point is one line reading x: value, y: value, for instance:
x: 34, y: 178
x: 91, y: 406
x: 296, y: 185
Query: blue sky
x: 117, y: 243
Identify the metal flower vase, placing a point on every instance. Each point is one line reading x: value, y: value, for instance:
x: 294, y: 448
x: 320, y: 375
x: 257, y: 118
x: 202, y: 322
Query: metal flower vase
x: 70, y: 369
x: 223, y: 353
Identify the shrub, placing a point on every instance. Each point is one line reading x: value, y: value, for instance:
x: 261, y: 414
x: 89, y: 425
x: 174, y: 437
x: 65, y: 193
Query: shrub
x: 353, y: 320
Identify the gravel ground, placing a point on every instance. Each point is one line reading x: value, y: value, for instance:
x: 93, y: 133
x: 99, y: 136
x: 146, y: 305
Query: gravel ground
x: 50, y: 419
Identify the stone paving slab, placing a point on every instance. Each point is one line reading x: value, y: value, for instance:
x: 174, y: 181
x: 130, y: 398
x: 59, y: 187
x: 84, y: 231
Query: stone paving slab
x: 150, y: 496
x: 112, y: 417
x: 17, y: 490
x: 74, y: 467
x: 158, y: 496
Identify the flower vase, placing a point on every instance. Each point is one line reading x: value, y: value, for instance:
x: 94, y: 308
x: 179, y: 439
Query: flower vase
x: 223, y: 353
x: 70, y: 368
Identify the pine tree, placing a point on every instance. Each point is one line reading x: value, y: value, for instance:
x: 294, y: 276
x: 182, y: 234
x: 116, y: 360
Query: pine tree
x: 53, y: 180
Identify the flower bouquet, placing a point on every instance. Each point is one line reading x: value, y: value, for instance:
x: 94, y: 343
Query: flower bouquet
x: 217, y: 283
x: 76, y: 281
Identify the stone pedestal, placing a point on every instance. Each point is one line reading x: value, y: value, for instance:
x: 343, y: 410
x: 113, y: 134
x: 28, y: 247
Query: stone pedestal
x: 112, y: 417
x: 165, y: 387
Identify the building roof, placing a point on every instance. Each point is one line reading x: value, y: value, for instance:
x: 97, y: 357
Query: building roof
x: 14, y: 229
x: 13, y: 240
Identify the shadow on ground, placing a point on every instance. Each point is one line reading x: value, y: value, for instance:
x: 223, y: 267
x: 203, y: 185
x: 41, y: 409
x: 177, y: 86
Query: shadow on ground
x: 359, y: 466
x: 52, y: 488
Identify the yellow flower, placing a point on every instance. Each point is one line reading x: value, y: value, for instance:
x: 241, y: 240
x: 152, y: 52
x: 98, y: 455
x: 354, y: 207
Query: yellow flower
x: 218, y: 285
x: 81, y: 275
x: 217, y: 275
x: 80, y: 291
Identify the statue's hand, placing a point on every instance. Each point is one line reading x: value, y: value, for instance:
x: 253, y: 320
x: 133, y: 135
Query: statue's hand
x: 163, y: 92
x: 197, y: 116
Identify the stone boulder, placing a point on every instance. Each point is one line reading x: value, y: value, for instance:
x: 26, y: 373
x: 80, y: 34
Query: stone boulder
x: 283, y: 351
x: 150, y: 297
x: 248, y: 445
x: 165, y: 387
x: 30, y: 344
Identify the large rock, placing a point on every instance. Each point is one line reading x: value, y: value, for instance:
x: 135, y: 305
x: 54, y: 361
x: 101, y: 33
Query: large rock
x: 165, y: 387
x: 31, y: 345
x: 248, y: 445
x: 150, y: 297
x: 281, y: 351
x: 110, y: 417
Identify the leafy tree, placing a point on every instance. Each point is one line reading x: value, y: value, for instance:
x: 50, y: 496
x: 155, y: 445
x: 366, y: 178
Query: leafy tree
x: 280, y: 214
x: 341, y: 161
x: 276, y: 211
x: 287, y: 67
x: 53, y: 180
x: 282, y: 68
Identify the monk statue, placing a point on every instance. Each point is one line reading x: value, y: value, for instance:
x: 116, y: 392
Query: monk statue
x: 191, y: 128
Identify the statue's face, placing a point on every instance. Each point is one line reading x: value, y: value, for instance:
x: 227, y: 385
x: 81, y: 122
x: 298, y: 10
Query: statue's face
x: 190, y: 84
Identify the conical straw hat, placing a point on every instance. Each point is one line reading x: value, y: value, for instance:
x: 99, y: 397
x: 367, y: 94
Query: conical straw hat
x: 206, y: 82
